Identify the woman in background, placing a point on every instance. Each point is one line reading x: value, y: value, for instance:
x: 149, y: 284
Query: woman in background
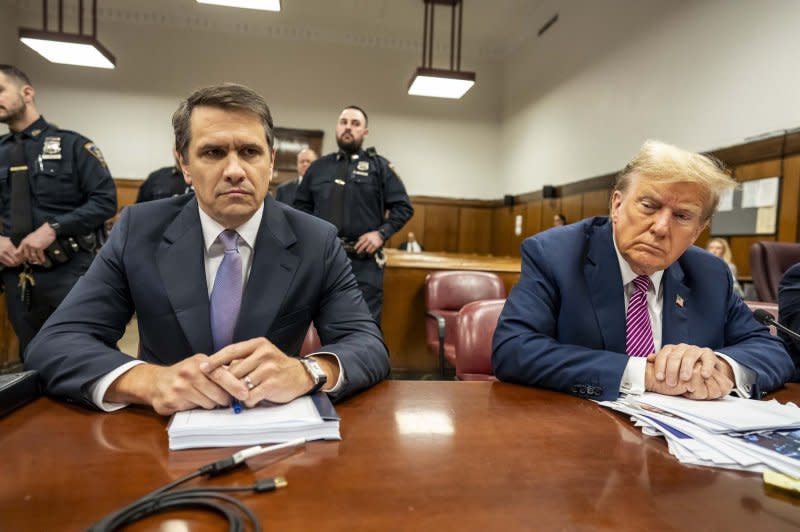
x: 720, y: 248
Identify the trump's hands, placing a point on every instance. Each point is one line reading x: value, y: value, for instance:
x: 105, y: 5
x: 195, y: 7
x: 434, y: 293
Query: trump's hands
x: 369, y: 243
x: 182, y: 386
x: 688, y: 370
x: 266, y: 370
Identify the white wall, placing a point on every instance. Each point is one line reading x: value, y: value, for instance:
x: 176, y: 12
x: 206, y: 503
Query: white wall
x: 702, y: 75
x: 440, y: 147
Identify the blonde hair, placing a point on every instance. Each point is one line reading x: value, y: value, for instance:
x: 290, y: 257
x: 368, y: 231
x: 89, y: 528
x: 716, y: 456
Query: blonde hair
x: 727, y: 256
x: 658, y: 161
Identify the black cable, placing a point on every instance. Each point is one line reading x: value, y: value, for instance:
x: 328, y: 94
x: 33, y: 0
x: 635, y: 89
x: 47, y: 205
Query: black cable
x: 212, y: 499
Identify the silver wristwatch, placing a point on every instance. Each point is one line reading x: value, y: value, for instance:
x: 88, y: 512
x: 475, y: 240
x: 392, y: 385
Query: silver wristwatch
x: 315, y: 371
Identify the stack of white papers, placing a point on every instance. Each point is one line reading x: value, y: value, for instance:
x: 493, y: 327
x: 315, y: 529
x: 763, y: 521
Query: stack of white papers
x: 309, y: 417
x: 731, y: 433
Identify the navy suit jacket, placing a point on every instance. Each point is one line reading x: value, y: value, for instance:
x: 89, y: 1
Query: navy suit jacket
x: 287, y: 191
x: 563, y: 325
x: 789, y: 313
x: 153, y: 264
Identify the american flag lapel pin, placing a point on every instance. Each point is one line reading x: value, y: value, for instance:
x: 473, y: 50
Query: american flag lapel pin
x: 679, y: 300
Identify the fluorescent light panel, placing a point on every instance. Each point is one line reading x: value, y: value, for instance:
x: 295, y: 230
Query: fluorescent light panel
x: 68, y: 48
x: 263, y: 5
x: 441, y: 83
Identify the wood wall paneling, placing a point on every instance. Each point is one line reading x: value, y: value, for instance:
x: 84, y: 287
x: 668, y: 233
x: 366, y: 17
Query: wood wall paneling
x: 502, y: 231
x: 790, y: 200
x: 516, y: 239
x: 533, y: 217
x: 572, y: 207
x: 550, y: 207
x: 127, y: 189
x: 475, y: 230
x: 441, y: 228
x: 596, y: 203
x: 415, y: 225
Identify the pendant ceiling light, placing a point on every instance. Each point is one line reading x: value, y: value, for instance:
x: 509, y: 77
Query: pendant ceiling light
x: 68, y: 48
x: 440, y: 82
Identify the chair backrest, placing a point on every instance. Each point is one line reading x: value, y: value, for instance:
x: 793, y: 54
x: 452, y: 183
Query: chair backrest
x: 475, y: 327
x: 311, y: 343
x: 768, y: 262
x: 772, y: 308
x: 451, y: 290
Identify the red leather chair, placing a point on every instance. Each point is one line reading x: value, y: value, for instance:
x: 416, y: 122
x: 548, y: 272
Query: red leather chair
x: 768, y: 262
x: 475, y: 327
x: 445, y: 293
x: 311, y: 343
x: 772, y: 308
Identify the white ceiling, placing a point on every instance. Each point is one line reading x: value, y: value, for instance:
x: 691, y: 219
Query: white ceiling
x: 491, y: 28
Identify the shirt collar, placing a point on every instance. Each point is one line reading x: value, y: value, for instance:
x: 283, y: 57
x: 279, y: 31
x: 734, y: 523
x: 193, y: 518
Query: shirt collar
x: 40, y: 124
x: 628, y: 275
x: 248, y: 231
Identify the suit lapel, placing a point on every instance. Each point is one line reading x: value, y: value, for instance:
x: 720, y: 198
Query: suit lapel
x: 604, y: 282
x: 181, y: 263
x: 675, y: 321
x: 271, y: 274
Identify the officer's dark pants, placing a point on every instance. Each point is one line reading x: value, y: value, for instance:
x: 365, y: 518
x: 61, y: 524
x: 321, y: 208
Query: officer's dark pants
x: 370, y: 281
x: 52, y: 286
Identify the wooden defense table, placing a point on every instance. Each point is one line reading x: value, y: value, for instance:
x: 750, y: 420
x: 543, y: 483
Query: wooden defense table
x: 415, y: 455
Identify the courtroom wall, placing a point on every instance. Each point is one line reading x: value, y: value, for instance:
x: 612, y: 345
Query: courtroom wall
x: 435, y: 144
x: 579, y: 101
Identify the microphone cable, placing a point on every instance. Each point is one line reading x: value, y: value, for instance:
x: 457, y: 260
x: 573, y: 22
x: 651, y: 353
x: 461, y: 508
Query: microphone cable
x: 211, y: 499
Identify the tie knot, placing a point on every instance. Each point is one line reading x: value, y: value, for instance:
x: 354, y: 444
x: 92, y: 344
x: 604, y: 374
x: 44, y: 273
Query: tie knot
x: 230, y: 240
x: 641, y: 283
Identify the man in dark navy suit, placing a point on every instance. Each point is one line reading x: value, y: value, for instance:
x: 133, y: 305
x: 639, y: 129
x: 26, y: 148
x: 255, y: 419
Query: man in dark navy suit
x: 287, y: 191
x: 626, y: 304
x: 224, y: 282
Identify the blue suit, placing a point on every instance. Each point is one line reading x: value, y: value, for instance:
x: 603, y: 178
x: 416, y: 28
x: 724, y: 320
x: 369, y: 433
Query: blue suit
x: 287, y: 191
x: 153, y: 264
x: 563, y: 325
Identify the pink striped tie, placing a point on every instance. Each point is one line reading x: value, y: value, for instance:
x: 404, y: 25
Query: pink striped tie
x: 639, y: 332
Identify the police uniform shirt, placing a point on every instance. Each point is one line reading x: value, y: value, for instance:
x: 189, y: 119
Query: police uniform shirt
x: 163, y: 183
x: 371, y: 188
x: 69, y: 180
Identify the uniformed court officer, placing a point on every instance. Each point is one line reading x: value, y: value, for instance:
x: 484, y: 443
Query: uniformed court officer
x: 163, y: 183
x: 55, y: 193
x: 353, y: 189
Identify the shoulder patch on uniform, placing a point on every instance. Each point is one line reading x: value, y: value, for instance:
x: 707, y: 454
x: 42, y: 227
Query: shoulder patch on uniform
x: 392, y: 168
x: 92, y: 148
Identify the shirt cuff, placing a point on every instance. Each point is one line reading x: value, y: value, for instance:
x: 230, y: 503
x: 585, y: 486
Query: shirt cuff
x: 100, y: 387
x: 340, y: 380
x: 632, y: 381
x: 743, y: 378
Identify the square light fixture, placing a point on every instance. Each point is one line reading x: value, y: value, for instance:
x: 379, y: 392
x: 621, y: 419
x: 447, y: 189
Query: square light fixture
x: 68, y: 48
x: 263, y: 5
x: 439, y: 82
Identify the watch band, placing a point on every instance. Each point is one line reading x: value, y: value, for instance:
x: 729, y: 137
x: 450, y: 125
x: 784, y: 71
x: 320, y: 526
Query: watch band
x: 318, y: 376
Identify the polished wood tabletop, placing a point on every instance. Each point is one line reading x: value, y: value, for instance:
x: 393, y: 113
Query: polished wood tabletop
x: 415, y: 455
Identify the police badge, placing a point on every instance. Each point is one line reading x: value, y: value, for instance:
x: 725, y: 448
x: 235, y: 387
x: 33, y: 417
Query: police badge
x: 51, y: 149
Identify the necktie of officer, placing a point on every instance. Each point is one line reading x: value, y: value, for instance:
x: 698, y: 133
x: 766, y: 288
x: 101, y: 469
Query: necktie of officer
x: 639, y: 332
x: 336, y: 213
x: 21, y: 213
x: 226, y: 295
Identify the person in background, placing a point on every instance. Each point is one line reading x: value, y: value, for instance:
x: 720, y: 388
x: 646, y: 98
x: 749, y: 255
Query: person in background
x: 56, y: 192
x: 163, y: 183
x: 626, y: 304
x: 559, y: 220
x: 354, y: 189
x: 411, y: 245
x: 287, y: 191
x: 719, y: 248
x: 224, y: 282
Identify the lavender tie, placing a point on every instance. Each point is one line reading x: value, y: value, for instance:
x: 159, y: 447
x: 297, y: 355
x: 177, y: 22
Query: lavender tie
x: 226, y: 296
x: 639, y: 332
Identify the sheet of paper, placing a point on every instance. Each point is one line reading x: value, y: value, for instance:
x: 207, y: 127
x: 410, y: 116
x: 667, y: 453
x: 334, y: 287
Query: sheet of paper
x: 765, y: 220
x: 725, y: 201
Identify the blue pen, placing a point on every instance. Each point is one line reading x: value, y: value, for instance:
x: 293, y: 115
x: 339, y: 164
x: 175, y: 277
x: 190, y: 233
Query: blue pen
x: 237, y: 406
